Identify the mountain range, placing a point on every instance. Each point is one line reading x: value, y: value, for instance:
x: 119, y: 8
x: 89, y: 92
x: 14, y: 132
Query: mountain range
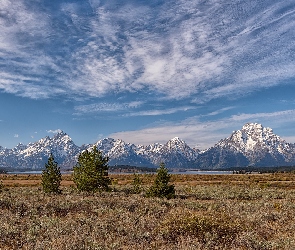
x: 253, y: 145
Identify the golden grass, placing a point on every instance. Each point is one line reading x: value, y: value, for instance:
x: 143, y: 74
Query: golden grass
x: 210, y: 212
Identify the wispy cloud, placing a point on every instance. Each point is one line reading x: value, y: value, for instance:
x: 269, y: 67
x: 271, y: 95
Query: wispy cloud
x: 179, y: 49
x: 99, y: 107
x: 219, y: 111
x: 156, y: 112
x: 204, y: 134
x: 54, y: 131
x: 16, y: 136
x: 106, y: 107
x: 127, y: 109
x: 279, y: 116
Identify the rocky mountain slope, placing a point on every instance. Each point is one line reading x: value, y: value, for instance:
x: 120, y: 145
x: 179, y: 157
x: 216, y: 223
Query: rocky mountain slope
x: 34, y: 155
x: 252, y: 145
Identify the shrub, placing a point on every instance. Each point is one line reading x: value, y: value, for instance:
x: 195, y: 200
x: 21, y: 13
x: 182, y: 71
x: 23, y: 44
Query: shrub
x: 220, y: 230
x: 51, y: 176
x: 1, y: 186
x: 137, y: 182
x: 161, y: 187
x: 91, y: 172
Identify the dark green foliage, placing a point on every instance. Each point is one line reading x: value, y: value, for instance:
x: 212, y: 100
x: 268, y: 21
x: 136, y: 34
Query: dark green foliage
x: 91, y: 172
x: 130, y: 169
x: 51, y: 176
x: 3, y: 171
x: 137, y: 182
x: 1, y: 186
x: 161, y: 187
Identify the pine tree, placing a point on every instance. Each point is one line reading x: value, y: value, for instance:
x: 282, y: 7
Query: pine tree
x: 51, y: 176
x: 161, y: 187
x: 91, y: 172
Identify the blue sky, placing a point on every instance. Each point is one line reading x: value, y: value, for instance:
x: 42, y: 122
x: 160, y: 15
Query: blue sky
x: 145, y: 71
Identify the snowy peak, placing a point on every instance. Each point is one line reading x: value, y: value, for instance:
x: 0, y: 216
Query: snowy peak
x: 19, y: 147
x: 62, y: 138
x: 179, y: 146
x: 34, y: 155
x: 251, y: 127
x: 175, y: 143
x: 104, y: 145
x: 253, y: 145
x: 259, y: 145
x: 253, y: 136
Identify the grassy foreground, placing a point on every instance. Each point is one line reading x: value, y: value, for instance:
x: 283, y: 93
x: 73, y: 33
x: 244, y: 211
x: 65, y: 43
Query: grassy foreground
x: 210, y: 212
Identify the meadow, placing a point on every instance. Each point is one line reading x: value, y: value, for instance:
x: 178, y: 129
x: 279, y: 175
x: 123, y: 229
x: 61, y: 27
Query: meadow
x: 255, y: 211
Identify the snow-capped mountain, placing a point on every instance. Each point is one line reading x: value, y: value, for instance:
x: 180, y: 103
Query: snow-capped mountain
x: 174, y: 153
x: 252, y: 145
x: 34, y: 155
x: 121, y: 153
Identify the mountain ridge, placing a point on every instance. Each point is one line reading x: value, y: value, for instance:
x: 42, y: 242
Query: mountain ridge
x: 252, y: 145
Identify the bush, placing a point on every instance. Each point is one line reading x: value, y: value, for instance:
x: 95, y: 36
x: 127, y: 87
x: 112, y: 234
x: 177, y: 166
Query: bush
x: 219, y: 230
x: 137, y: 182
x: 161, y: 187
x: 1, y: 186
x: 91, y: 172
x: 51, y: 176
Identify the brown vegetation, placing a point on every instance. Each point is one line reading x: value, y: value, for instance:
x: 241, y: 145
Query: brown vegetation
x: 209, y: 212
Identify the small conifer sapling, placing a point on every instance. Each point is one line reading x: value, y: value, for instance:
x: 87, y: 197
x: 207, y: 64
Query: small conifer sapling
x: 51, y: 176
x: 161, y: 187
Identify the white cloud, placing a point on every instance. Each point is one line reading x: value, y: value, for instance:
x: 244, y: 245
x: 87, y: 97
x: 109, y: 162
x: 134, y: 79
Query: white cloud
x: 155, y: 112
x: 178, y: 49
x: 106, y: 107
x: 54, y: 131
x: 290, y: 139
x: 135, y: 104
x: 220, y: 111
x: 128, y: 108
x: 16, y: 136
x: 204, y: 134
x: 277, y: 117
x: 99, y: 107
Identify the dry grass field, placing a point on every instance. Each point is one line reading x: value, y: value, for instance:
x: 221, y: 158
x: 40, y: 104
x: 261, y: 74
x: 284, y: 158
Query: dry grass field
x: 210, y: 212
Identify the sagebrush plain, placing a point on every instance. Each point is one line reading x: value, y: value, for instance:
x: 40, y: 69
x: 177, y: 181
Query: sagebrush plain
x: 255, y: 211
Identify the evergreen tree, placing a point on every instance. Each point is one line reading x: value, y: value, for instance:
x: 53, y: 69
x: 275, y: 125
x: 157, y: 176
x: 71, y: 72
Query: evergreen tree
x: 51, y: 176
x: 161, y: 187
x: 91, y: 172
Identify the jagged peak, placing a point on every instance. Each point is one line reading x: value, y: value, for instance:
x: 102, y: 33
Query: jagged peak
x: 255, y: 127
x: 59, y: 134
x: 253, y: 137
x: 176, y: 140
x: 251, y: 125
x: 105, y: 140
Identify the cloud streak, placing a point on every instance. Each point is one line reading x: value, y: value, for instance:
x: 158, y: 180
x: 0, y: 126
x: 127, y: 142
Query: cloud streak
x: 106, y: 107
x: 53, y: 131
x: 156, y: 112
x: 177, y: 49
x: 204, y: 134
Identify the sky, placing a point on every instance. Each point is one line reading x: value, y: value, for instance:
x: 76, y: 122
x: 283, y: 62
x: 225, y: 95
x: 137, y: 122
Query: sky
x: 145, y: 71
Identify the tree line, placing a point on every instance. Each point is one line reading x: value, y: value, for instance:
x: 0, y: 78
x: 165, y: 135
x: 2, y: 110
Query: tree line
x: 90, y: 174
